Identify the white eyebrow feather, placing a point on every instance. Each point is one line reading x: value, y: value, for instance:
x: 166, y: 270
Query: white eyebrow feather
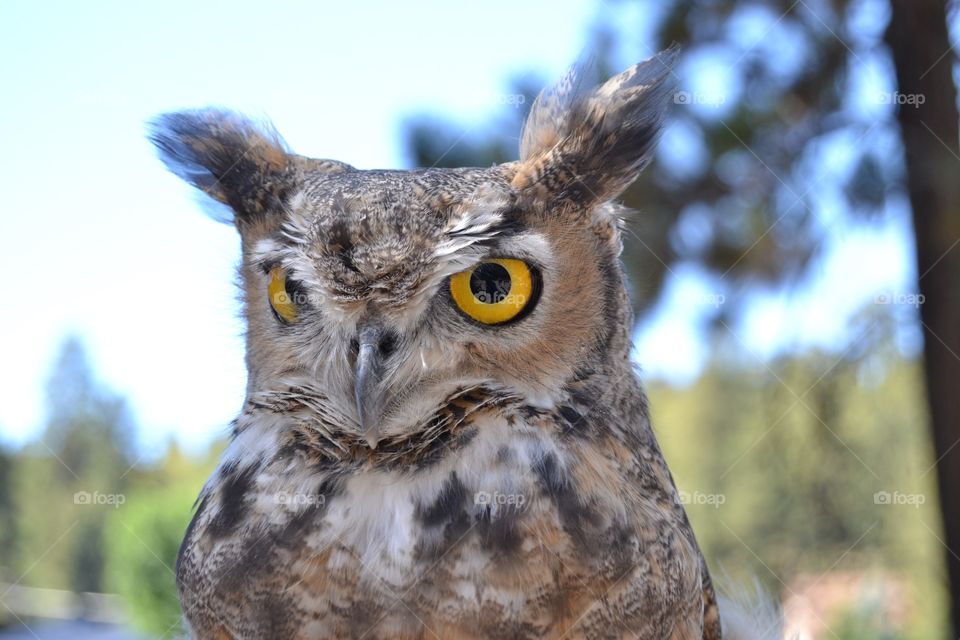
x: 482, y: 212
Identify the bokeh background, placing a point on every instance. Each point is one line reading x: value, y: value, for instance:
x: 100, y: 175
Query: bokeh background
x: 792, y: 258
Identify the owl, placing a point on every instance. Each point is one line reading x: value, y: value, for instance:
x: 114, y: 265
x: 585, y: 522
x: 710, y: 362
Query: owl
x: 443, y: 434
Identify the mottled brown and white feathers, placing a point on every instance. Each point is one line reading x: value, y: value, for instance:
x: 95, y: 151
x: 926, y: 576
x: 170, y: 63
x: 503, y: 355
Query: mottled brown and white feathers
x: 402, y: 469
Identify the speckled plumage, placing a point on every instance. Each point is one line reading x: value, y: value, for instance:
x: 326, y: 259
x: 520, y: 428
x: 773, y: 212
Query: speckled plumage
x: 515, y: 489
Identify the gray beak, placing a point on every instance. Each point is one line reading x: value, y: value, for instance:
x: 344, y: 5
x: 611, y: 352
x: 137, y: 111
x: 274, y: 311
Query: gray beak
x: 374, y: 348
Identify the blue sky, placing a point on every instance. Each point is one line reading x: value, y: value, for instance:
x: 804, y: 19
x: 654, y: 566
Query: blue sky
x: 99, y: 240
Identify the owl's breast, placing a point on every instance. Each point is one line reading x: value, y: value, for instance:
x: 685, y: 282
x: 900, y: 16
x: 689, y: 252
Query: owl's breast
x: 524, y: 531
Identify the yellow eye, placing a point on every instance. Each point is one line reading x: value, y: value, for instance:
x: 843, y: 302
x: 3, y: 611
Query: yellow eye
x: 282, y: 299
x: 495, y: 291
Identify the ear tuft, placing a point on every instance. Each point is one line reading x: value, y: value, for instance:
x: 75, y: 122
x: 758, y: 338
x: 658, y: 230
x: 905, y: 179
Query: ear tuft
x: 587, y: 145
x: 548, y: 120
x: 230, y: 158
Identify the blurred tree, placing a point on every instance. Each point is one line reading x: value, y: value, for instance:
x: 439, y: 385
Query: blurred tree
x: 65, y: 484
x: 88, y: 518
x: 7, y: 530
x: 741, y: 205
x: 925, y: 69
x: 86, y: 425
x: 143, y: 538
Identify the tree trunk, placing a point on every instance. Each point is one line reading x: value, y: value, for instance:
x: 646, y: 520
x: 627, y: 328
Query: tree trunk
x: 917, y: 36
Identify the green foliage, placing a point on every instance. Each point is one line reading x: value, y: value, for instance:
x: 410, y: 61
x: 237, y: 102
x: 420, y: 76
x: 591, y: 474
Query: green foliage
x: 79, y: 515
x: 7, y: 531
x: 64, y: 485
x: 867, y: 622
x: 787, y: 469
x: 143, y: 538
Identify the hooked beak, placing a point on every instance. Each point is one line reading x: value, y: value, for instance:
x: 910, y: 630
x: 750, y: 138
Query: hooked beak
x: 366, y: 383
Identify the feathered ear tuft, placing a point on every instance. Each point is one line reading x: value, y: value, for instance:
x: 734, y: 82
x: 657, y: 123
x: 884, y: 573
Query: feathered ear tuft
x: 587, y: 145
x: 229, y: 158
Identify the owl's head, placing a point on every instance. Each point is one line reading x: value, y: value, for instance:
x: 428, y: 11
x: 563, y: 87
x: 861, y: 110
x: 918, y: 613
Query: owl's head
x: 388, y: 290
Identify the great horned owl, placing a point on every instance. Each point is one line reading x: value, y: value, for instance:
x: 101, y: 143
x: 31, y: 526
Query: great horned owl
x: 443, y: 434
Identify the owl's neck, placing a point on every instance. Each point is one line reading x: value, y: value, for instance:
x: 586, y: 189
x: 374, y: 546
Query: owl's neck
x: 604, y: 397
x: 309, y: 431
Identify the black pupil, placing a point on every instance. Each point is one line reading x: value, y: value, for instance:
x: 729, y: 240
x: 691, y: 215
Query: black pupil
x: 490, y: 283
x: 295, y: 292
